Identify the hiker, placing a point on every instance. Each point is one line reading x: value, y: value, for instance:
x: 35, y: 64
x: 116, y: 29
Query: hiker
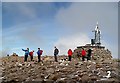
x: 69, y: 54
x: 31, y: 55
x: 78, y: 54
x: 83, y: 54
x: 56, y: 51
x: 26, y: 54
x: 7, y: 54
x: 89, y: 54
x: 39, y: 53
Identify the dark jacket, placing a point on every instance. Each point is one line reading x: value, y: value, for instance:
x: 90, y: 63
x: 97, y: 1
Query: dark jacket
x: 56, y: 51
x: 89, y: 52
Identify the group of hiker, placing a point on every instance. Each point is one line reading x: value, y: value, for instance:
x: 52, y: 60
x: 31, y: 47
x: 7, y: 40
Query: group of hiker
x: 27, y: 53
x: 86, y: 55
x: 83, y: 54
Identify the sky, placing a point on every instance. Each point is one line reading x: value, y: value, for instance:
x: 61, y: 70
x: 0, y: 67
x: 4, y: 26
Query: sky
x: 61, y: 24
x: 59, y: 0
x: 0, y: 28
x: 118, y: 29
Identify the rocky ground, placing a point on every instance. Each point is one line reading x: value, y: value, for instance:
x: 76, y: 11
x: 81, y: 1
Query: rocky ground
x: 14, y: 69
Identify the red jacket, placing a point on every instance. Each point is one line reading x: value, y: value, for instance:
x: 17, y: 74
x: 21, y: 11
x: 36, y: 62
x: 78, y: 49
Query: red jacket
x: 31, y: 53
x: 83, y: 52
x: 69, y: 52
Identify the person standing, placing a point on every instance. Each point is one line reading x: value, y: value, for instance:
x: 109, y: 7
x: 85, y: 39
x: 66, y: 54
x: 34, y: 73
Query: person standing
x: 83, y: 54
x: 78, y: 54
x: 26, y: 54
x: 39, y: 53
x: 89, y: 54
x: 69, y: 54
x: 56, y: 51
x: 31, y: 55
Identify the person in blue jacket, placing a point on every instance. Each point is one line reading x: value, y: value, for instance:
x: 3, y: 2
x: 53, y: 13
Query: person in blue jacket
x: 26, y: 54
x: 39, y: 53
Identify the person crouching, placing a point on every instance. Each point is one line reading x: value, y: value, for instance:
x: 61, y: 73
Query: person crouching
x: 31, y: 55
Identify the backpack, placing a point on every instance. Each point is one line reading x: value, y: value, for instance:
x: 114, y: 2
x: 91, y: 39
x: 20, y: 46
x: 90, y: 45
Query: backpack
x: 30, y: 53
x: 41, y: 52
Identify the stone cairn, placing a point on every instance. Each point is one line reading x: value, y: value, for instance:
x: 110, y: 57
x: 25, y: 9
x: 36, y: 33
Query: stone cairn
x: 98, y: 52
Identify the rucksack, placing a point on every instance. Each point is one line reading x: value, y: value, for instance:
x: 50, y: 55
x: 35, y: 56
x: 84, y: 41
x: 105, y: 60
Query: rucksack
x: 30, y: 53
x: 41, y: 52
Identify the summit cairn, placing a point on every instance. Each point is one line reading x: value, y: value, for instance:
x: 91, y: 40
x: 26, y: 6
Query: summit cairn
x: 99, y: 52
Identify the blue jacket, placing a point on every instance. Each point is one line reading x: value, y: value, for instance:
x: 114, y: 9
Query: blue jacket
x: 38, y: 52
x: 26, y: 52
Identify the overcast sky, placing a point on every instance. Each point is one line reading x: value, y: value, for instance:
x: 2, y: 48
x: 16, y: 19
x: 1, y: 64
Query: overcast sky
x: 63, y: 24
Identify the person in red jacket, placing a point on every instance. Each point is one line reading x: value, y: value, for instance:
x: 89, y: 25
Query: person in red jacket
x: 69, y: 54
x: 31, y: 55
x: 83, y: 54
